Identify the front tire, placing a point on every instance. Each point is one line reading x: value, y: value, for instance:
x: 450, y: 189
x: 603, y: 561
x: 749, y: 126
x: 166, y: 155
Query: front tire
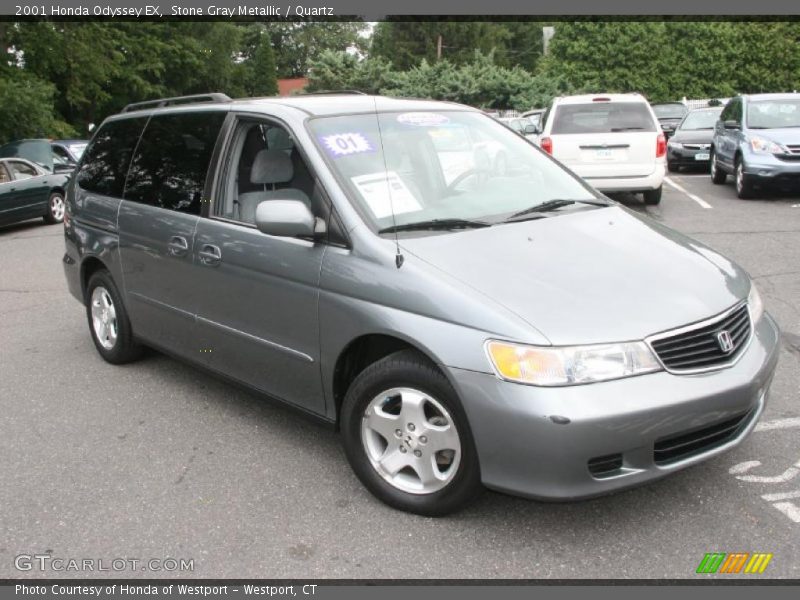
x: 108, y: 321
x: 744, y: 188
x: 718, y: 176
x: 55, y: 209
x: 653, y: 197
x: 407, y: 438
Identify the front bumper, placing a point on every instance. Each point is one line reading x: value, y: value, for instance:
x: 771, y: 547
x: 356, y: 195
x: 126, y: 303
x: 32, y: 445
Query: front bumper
x: 767, y: 168
x: 684, y: 156
x: 523, y: 450
x: 653, y: 181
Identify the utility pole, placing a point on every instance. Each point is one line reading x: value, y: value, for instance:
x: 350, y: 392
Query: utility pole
x: 439, y: 48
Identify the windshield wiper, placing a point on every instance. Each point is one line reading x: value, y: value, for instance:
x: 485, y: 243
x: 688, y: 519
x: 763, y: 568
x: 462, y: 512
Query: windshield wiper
x: 434, y: 224
x: 552, y: 205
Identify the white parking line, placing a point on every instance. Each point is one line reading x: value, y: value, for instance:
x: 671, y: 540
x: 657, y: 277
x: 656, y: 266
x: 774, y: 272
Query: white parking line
x: 781, y: 496
x: 779, y: 424
x: 697, y: 199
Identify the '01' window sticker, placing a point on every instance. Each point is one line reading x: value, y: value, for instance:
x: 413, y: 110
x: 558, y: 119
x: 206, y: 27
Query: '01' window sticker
x: 346, y: 144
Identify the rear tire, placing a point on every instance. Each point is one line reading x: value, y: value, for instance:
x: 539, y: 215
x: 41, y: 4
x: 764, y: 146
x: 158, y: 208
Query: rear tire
x: 109, y: 325
x: 407, y: 438
x: 55, y: 209
x: 718, y: 176
x: 653, y: 197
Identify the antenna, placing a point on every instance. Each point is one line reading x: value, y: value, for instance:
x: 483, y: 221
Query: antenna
x: 398, y: 259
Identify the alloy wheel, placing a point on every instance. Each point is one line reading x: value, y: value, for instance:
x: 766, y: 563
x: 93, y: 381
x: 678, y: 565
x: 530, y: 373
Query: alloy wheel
x: 104, y: 318
x: 411, y: 440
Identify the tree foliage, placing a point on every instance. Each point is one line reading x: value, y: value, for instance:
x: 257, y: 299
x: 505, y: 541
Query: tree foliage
x: 26, y: 108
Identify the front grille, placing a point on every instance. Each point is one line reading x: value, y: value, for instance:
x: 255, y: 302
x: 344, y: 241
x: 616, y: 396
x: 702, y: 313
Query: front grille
x: 793, y: 148
x: 697, y: 146
x: 675, y: 448
x: 605, y: 466
x: 701, y: 347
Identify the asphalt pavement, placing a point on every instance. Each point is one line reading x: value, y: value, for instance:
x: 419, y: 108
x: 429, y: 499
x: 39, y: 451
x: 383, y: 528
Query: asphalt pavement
x: 158, y: 460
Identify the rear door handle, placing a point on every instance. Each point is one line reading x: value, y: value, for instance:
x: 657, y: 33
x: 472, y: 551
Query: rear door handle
x: 177, y: 246
x: 210, y: 255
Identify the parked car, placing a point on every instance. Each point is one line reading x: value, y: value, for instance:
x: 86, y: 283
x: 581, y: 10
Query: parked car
x: 690, y: 145
x: 69, y: 150
x: 523, y: 127
x: 669, y: 115
x: 40, y: 152
x: 28, y: 191
x: 613, y: 141
x: 513, y: 329
x: 757, y: 140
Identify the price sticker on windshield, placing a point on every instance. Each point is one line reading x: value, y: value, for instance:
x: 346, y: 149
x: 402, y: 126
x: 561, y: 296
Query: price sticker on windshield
x: 345, y: 144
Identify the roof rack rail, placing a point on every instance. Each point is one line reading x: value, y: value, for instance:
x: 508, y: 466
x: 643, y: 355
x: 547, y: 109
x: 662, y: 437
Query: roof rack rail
x: 333, y: 93
x: 212, y: 97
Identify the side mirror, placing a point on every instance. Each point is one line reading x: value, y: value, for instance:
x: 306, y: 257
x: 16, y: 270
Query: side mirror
x: 64, y: 167
x: 730, y: 124
x: 531, y: 129
x: 286, y: 218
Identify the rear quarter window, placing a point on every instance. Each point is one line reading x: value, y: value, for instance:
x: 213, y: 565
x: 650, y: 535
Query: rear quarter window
x: 105, y: 164
x: 172, y: 160
x: 602, y: 117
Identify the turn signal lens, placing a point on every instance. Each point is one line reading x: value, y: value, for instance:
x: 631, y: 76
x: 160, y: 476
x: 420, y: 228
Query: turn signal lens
x: 755, y: 305
x: 570, y: 365
x: 547, y: 144
x: 661, y: 145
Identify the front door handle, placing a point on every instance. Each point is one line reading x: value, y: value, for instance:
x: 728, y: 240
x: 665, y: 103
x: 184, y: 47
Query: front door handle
x: 178, y: 246
x: 210, y: 255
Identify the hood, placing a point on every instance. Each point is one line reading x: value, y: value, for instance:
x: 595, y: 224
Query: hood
x: 38, y: 151
x: 784, y: 135
x: 590, y: 276
x: 696, y: 136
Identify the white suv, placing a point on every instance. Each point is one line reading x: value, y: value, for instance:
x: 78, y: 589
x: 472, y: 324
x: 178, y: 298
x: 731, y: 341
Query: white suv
x: 613, y: 141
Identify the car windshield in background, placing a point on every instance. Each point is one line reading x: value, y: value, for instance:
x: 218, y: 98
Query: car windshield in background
x: 77, y: 149
x: 669, y: 111
x: 437, y: 166
x: 602, y: 117
x: 773, y: 114
x: 700, y: 119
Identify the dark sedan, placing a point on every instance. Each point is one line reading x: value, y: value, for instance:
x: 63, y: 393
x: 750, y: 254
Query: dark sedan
x: 690, y: 145
x: 669, y: 115
x: 28, y: 191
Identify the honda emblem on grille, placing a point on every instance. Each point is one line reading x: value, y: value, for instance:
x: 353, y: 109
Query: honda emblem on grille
x: 725, y: 342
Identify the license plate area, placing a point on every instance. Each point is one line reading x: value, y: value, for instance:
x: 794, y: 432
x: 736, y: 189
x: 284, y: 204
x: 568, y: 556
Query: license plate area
x: 702, y: 156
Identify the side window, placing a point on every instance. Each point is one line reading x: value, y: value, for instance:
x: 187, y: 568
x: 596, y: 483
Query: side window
x: 60, y: 155
x: 172, y: 160
x: 725, y: 115
x: 20, y: 170
x: 737, y: 110
x: 264, y: 164
x: 4, y: 178
x: 105, y: 162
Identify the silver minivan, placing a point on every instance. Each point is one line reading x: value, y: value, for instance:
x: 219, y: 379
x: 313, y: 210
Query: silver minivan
x: 365, y: 260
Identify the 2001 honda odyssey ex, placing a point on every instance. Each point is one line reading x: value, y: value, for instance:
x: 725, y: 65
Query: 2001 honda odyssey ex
x: 462, y: 307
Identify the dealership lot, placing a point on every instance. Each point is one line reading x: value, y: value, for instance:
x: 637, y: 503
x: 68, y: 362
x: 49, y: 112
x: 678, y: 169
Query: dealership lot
x: 157, y: 460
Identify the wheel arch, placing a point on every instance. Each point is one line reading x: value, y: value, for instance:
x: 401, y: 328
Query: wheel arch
x: 89, y: 266
x: 360, y: 353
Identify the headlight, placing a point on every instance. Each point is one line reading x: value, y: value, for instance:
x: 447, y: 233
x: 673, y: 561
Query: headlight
x: 764, y: 146
x: 570, y: 365
x: 754, y: 304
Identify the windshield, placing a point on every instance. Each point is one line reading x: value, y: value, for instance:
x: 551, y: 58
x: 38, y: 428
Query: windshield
x: 602, y: 117
x: 439, y: 165
x: 772, y: 114
x: 700, y: 119
x: 669, y: 111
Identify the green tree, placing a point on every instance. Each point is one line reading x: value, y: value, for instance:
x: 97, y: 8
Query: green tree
x: 297, y: 43
x: 262, y: 80
x: 26, y: 108
x: 345, y: 71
